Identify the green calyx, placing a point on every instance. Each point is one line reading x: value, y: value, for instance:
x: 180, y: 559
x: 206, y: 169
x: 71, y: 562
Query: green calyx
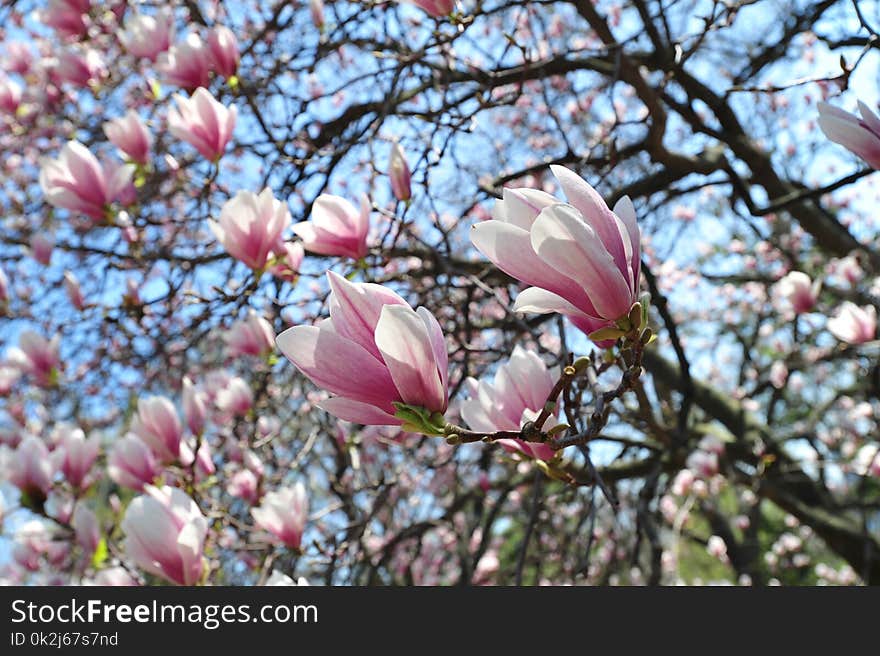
x: 420, y: 420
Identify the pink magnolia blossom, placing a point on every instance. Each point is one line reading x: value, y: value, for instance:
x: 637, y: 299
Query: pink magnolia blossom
x: 148, y: 36
x: 202, y: 122
x: 250, y: 226
x: 373, y: 350
x: 435, y: 8
x: 82, y: 68
x: 250, y: 336
x: 33, y: 539
x: 42, y: 245
x: 778, y: 374
x: 130, y: 135
x: 37, y: 357
x: 244, y: 484
x: 796, y: 289
x: 236, y: 398
x: 717, y: 548
x: 30, y: 468
x: 867, y: 460
x: 165, y: 534
x: 204, y: 462
x: 158, y: 425
x: 67, y: 17
x: 10, y: 95
x: 4, y: 288
x: 187, y: 64
x: 224, y: 50
x: 516, y: 395
x: 194, y: 410
x: 582, y: 259
x: 19, y: 58
x: 131, y: 463
x: 401, y: 176
x: 88, y: 531
x: 703, y: 463
x: 74, y: 292
x: 852, y: 324
x: 859, y: 135
x: 75, y: 456
x: 283, y: 513
x: 316, y: 10
x: 76, y: 181
x: 336, y: 227
x: 287, y: 261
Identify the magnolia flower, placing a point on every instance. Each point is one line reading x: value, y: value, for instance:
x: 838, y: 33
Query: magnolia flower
x: 224, y: 50
x: 82, y: 68
x: 36, y: 356
x: 859, y: 135
x: 132, y: 464
x: 130, y: 135
x: 75, y: 456
x: 401, y: 177
x: 336, y: 227
x: 852, y: 324
x: 796, y: 289
x: 436, y: 8
x: 76, y: 181
x: 867, y: 460
x: 582, y: 258
x: 30, y: 469
x: 236, y: 398
x: 372, y: 352
x: 244, y: 484
x: 250, y: 336
x: 67, y: 17
x: 287, y: 261
x: 187, y: 64
x: 158, y: 425
x: 202, y: 122
x: 10, y: 95
x: 283, y: 513
x: 517, y: 395
x: 88, y: 531
x: 74, y: 293
x: 165, y: 534
x: 4, y: 288
x: 194, y: 409
x: 42, y: 245
x: 148, y: 36
x: 250, y: 226
x: 316, y: 10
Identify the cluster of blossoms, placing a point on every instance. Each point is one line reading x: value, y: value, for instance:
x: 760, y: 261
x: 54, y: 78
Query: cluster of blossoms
x: 378, y: 360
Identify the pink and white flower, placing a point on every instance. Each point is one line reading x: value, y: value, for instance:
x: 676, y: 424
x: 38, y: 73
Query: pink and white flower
x: 165, y: 534
x: 516, y: 395
x: 582, y: 259
x: 130, y: 135
x: 853, y: 324
x: 336, y: 227
x: 283, y: 513
x: 76, y: 181
x: 372, y: 352
x: 202, y: 122
x: 250, y: 226
x: 861, y: 136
